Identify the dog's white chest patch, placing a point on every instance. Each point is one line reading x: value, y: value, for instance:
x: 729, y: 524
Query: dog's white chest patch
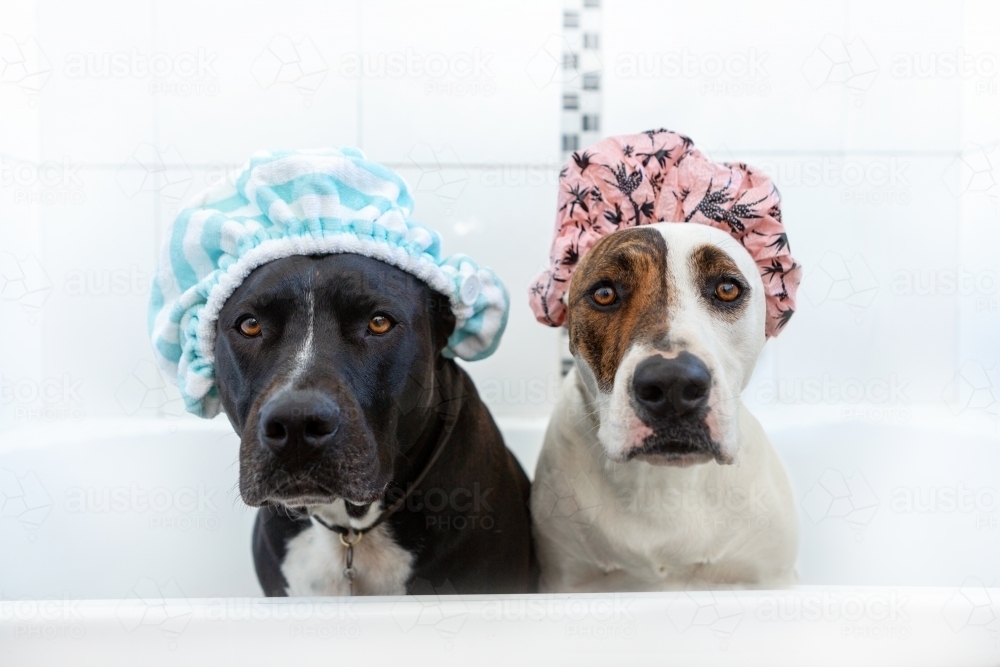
x: 315, y: 561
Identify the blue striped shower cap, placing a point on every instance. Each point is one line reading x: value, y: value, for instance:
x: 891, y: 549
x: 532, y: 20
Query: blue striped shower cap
x: 301, y: 203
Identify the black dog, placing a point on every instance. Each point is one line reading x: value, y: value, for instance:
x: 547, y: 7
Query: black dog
x: 353, y: 425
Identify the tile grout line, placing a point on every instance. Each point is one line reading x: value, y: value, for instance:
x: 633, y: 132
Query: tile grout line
x: 554, y: 166
x: 539, y: 164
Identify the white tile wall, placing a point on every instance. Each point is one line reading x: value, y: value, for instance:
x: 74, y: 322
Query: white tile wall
x: 912, y: 104
x: 271, y: 78
x: 908, y: 187
x: 724, y: 73
x: 24, y: 288
x: 502, y: 216
x: 99, y: 255
x: 88, y: 112
x: 974, y: 180
x: 487, y: 107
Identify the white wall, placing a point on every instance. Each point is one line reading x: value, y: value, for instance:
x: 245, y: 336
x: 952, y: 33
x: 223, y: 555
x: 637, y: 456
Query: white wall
x: 884, y: 174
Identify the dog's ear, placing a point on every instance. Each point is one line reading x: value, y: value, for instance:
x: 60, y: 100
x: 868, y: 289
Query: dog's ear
x: 442, y: 319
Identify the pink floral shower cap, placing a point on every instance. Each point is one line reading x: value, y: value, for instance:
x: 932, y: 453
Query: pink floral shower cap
x: 659, y: 176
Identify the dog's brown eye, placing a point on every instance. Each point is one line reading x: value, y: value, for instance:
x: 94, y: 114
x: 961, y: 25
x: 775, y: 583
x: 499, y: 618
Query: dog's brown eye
x: 249, y: 327
x: 727, y: 291
x: 379, y: 324
x: 605, y: 296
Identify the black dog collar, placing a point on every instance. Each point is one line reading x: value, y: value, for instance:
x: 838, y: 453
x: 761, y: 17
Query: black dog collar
x: 345, y: 532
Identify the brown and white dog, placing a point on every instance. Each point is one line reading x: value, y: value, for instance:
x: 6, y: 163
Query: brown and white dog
x: 653, y: 474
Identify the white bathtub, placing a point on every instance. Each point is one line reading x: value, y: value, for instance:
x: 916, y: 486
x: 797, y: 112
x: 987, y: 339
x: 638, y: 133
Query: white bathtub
x: 127, y: 538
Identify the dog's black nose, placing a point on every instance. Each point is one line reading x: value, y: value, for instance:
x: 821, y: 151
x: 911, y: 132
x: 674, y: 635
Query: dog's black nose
x: 665, y: 388
x: 298, y: 417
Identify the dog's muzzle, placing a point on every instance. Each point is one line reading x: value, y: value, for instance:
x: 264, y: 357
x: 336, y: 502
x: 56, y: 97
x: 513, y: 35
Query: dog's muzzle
x: 671, y: 397
x: 307, y: 449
